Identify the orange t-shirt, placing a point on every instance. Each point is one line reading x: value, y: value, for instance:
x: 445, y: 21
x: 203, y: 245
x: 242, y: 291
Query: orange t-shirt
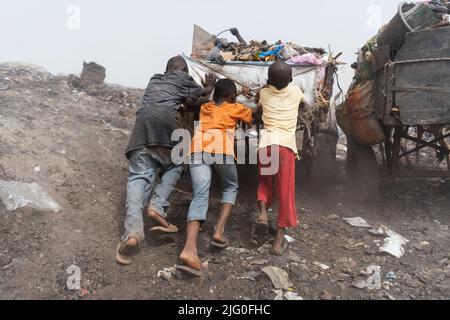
x: 215, y: 133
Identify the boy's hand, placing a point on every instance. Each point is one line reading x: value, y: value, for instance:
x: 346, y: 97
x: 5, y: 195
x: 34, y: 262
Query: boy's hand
x: 210, y: 80
x: 257, y: 97
x: 246, y: 91
x: 257, y: 115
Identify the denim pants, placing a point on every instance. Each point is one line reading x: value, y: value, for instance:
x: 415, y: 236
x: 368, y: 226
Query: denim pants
x: 144, y: 165
x: 201, y: 174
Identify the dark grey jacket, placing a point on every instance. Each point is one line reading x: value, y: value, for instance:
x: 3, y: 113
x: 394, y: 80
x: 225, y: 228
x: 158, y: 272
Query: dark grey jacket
x: 156, y: 119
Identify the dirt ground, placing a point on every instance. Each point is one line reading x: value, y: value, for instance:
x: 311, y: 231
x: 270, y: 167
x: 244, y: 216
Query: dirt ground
x: 77, y: 142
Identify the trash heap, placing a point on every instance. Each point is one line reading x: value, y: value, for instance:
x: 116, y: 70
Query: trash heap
x: 356, y: 115
x: 263, y: 51
x: 91, y: 81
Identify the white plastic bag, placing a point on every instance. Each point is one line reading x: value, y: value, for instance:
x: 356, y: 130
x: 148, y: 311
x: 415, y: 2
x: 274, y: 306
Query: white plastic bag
x: 17, y: 195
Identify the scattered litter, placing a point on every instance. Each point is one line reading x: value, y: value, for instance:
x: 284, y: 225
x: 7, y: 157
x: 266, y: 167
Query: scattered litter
x: 279, y: 294
x: 264, y: 248
x: 279, y: 278
x: 166, y: 273
x: 251, y: 275
x: 37, y: 169
x: 17, y: 195
x: 293, y: 257
x: 289, y: 239
x: 321, y: 266
x: 373, y: 282
x: 357, y: 222
x: 292, y: 296
x: 391, y: 276
x: 85, y: 292
x: 393, y: 243
x: 260, y: 262
x: 390, y: 297
x: 237, y: 250
x: 333, y: 217
x: 109, y: 127
x: 326, y: 295
x: 376, y: 232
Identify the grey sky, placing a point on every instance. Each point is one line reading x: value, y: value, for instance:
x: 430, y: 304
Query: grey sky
x: 134, y: 38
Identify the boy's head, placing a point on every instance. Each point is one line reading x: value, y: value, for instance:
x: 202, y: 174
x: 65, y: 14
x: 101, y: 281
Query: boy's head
x: 280, y: 75
x: 177, y: 64
x: 225, y: 91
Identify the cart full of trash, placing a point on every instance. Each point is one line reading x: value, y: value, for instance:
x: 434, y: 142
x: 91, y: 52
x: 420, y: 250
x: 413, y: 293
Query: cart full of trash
x: 247, y: 63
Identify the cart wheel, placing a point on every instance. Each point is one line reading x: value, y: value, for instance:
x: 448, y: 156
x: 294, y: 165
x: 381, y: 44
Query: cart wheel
x: 323, y: 170
x: 362, y: 171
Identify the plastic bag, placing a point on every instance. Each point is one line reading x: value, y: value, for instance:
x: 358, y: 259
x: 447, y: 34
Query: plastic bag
x: 17, y: 195
x: 360, y: 123
x: 308, y: 58
x: 289, y: 52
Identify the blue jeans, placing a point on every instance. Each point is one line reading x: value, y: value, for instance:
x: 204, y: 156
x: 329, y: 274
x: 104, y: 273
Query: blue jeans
x: 144, y: 165
x: 201, y: 174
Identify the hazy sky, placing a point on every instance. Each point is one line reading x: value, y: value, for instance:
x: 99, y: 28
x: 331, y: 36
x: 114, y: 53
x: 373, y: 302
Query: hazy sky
x: 133, y: 39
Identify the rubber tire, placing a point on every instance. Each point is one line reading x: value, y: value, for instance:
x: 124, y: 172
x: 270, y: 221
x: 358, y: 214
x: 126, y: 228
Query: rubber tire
x: 363, y: 172
x: 323, y: 170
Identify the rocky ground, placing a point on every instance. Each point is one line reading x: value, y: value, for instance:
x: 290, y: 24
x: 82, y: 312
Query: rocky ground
x: 71, y: 143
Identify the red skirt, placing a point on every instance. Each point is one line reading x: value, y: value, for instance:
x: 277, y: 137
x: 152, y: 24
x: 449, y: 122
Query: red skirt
x: 278, y: 172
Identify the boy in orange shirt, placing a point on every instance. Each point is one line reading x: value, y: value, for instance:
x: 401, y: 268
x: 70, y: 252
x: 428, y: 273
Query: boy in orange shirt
x: 213, y: 147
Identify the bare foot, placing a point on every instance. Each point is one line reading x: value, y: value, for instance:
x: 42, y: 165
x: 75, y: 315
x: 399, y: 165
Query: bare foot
x: 262, y: 225
x: 157, y: 219
x: 263, y: 217
x: 128, y: 247
x: 279, y: 245
x: 191, y: 260
x: 277, y: 248
x: 219, y: 237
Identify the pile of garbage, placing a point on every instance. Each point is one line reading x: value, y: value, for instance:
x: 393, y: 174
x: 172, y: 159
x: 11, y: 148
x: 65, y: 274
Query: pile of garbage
x: 16, y: 74
x: 91, y: 81
x: 263, y: 51
x: 92, y: 76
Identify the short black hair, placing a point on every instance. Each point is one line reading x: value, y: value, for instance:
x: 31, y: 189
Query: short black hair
x: 280, y: 75
x: 177, y: 64
x: 225, y: 88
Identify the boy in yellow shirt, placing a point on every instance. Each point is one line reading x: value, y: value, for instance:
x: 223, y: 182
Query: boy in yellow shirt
x: 277, y: 152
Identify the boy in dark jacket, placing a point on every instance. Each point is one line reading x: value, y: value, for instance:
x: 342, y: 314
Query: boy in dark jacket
x: 149, y: 152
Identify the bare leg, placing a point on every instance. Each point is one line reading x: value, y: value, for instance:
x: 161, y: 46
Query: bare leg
x: 223, y: 218
x: 263, y: 216
x: 278, y: 244
x: 262, y: 223
x: 189, y: 255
